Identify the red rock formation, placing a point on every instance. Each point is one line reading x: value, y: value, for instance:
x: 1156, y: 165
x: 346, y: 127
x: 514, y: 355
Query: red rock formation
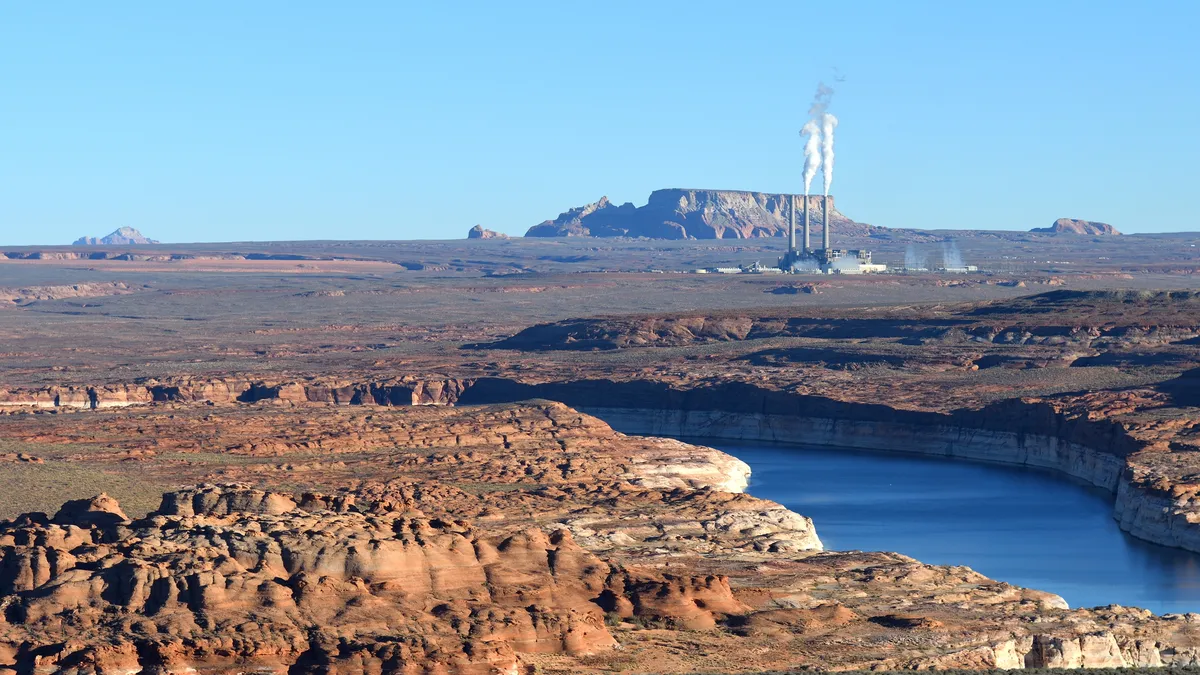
x: 222, y: 577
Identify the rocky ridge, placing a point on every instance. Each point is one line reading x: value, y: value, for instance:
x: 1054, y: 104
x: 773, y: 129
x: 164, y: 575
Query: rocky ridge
x: 1029, y: 321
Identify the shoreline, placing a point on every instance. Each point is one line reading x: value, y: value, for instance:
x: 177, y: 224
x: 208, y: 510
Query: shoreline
x: 1137, y: 512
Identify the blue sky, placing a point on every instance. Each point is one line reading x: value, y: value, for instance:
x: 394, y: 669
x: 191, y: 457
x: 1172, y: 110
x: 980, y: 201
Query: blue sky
x: 224, y: 121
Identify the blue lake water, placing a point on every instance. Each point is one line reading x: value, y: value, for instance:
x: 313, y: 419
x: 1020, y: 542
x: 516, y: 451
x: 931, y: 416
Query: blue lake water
x: 1027, y: 527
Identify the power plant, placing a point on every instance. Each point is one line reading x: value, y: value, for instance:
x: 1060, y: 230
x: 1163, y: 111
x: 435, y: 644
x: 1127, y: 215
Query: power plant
x: 818, y: 153
x: 825, y: 260
x: 804, y: 259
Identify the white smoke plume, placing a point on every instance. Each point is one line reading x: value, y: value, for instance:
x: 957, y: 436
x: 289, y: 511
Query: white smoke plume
x: 828, y: 124
x: 812, y: 152
x: 913, y: 258
x: 805, y: 265
x: 847, y: 265
x: 820, y: 101
x: 818, y: 141
x: 951, y: 256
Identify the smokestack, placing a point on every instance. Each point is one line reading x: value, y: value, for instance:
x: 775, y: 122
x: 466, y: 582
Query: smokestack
x: 825, y: 222
x: 792, y: 225
x: 807, y: 241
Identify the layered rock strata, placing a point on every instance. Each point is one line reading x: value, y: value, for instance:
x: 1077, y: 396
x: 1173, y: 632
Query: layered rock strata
x: 1149, y: 502
x: 397, y: 392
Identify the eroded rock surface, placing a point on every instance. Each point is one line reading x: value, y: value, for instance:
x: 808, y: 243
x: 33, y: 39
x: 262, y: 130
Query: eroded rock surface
x: 228, y: 575
x: 476, y: 540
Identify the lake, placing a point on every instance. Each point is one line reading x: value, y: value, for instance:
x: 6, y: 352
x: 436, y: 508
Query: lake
x: 1027, y: 527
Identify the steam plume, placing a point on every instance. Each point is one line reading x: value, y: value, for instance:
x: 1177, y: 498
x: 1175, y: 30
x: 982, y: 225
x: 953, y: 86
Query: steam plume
x: 913, y: 259
x: 818, y: 141
x: 951, y: 256
x: 820, y: 101
x: 812, y: 152
x: 828, y: 124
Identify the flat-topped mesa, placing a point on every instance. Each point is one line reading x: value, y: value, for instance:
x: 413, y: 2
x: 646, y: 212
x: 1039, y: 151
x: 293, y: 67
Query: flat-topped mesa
x: 695, y: 214
x: 1076, y: 226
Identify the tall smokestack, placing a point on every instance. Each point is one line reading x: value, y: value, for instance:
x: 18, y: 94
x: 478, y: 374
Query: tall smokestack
x: 807, y: 241
x: 825, y: 222
x: 792, y: 225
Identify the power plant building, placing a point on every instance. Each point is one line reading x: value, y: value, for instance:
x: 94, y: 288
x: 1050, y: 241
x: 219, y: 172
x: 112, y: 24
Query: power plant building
x: 826, y: 260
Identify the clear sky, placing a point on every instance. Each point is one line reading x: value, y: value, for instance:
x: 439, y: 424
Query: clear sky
x: 218, y: 121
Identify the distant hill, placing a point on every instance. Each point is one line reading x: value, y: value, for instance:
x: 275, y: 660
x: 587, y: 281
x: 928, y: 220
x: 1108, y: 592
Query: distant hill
x: 1073, y: 226
x: 480, y: 232
x: 122, y: 236
x: 697, y: 214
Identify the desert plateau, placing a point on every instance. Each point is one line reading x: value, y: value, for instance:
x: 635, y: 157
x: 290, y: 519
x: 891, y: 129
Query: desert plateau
x: 497, y: 455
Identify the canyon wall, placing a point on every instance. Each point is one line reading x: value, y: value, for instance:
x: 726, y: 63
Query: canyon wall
x: 1025, y: 433
x: 395, y: 392
x: 1028, y: 433
x: 1033, y: 450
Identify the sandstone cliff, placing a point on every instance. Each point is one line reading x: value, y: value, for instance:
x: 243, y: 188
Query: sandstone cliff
x: 1155, y: 498
x: 695, y: 214
x: 400, y: 391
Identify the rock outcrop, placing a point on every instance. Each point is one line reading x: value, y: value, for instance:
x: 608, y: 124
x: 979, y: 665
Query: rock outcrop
x: 695, y: 214
x: 225, y: 575
x: 29, y: 294
x: 1074, y: 226
x: 479, y: 232
x: 122, y: 236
